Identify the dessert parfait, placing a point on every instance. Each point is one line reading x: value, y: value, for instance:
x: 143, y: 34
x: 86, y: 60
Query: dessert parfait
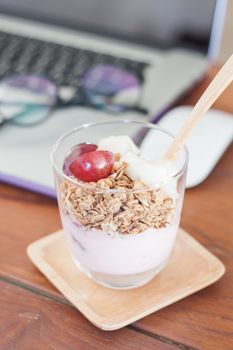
x: 120, y: 211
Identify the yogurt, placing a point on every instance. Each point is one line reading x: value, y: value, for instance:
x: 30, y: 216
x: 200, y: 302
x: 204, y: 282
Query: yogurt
x: 118, y: 254
x: 122, y: 230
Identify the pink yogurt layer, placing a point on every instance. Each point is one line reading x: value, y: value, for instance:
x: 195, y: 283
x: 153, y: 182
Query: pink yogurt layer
x: 119, y: 254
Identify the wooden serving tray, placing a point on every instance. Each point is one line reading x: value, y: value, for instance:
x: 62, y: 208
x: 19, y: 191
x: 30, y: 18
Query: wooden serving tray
x: 190, y: 268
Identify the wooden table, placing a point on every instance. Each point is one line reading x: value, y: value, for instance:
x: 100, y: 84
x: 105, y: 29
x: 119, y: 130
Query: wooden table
x: 33, y: 315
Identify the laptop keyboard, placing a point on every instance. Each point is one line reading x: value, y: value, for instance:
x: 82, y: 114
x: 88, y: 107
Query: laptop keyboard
x: 62, y: 64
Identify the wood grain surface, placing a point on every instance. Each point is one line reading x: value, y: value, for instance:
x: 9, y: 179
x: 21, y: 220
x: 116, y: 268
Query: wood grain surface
x: 31, y: 321
x: 201, y: 321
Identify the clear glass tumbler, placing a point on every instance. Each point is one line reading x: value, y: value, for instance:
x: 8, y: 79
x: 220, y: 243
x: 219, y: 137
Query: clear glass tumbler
x: 132, y: 231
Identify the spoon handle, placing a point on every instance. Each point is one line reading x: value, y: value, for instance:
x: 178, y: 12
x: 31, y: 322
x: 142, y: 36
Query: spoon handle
x: 220, y: 82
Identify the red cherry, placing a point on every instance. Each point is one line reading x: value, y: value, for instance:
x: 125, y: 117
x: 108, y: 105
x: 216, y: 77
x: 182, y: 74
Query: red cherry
x: 93, y: 166
x: 74, y: 153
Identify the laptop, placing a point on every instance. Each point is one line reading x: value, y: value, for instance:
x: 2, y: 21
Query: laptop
x: 167, y: 45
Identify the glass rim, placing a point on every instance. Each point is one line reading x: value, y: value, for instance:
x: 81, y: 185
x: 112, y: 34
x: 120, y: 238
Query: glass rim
x: 119, y: 121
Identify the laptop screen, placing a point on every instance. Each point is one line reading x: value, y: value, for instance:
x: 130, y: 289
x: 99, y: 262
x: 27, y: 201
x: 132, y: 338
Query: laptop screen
x: 157, y: 23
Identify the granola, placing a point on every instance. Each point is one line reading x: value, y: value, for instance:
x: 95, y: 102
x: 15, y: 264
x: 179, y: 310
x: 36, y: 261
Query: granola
x: 130, y: 211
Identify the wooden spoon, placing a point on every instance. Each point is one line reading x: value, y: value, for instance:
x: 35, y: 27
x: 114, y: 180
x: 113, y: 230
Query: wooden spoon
x: 220, y: 82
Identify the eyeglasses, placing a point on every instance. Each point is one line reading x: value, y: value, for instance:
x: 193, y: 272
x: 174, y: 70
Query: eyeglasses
x: 27, y: 100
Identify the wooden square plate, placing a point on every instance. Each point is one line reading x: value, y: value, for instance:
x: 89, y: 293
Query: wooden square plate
x: 190, y: 268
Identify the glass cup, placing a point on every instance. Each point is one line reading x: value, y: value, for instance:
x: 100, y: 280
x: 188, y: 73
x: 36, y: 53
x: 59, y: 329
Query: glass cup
x: 120, y: 237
